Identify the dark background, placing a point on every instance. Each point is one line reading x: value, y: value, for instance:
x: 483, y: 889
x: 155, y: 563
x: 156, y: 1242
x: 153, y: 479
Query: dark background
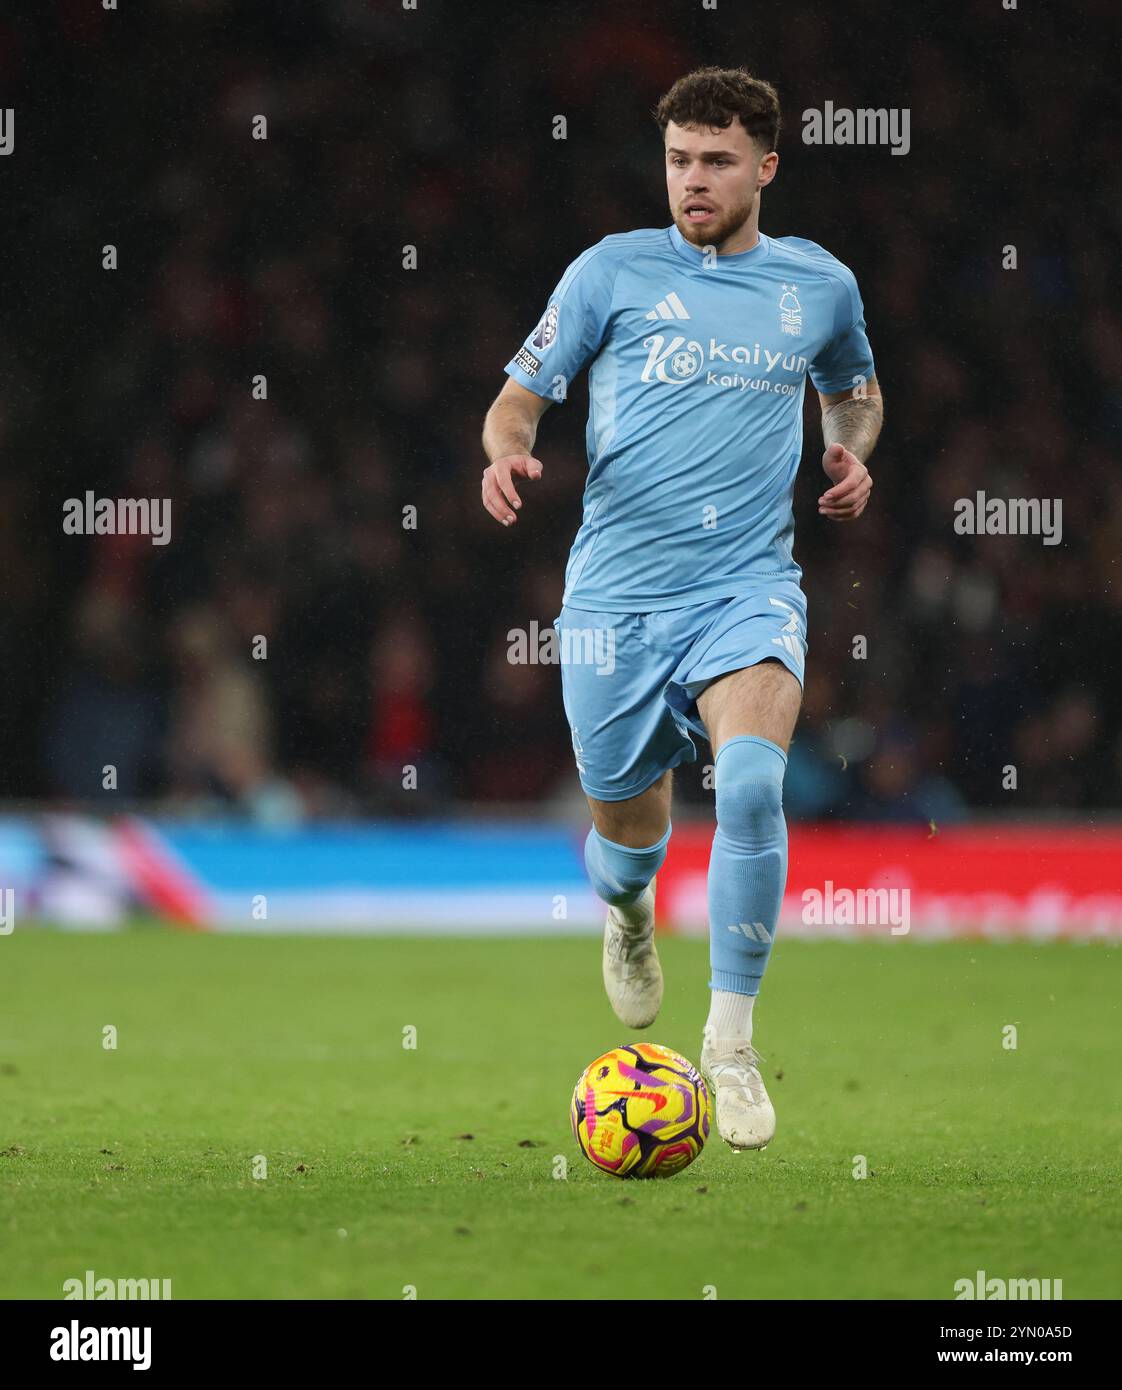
x: 433, y: 128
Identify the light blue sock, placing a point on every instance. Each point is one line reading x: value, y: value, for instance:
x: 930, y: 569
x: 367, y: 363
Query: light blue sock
x: 748, y: 865
x: 620, y: 874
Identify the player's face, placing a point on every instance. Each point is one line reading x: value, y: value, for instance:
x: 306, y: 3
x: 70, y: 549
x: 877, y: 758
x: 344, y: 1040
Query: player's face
x: 713, y: 178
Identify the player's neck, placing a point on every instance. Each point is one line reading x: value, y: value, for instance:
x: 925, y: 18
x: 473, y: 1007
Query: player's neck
x: 743, y: 239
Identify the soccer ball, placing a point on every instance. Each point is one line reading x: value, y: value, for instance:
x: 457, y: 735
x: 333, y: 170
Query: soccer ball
x: 641, y: 1112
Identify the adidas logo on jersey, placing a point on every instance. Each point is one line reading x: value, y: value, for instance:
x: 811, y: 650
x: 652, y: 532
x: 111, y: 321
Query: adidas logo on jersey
x: 669, y: 308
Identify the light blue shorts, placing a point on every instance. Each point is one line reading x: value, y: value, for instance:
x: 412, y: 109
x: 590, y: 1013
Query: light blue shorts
x: 631, y: 680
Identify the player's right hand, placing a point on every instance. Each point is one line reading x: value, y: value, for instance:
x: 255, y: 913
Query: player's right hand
x: 500, y: 496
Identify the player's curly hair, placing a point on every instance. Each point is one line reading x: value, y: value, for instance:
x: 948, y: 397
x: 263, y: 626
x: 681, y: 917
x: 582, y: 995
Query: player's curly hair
x: 712, y: 98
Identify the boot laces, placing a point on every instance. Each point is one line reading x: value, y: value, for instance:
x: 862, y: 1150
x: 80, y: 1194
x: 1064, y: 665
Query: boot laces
x: 627, y: 950
x: 749, y: 1059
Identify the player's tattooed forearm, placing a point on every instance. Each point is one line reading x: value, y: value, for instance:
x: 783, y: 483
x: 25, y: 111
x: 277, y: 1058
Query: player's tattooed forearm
x: 854, y: 424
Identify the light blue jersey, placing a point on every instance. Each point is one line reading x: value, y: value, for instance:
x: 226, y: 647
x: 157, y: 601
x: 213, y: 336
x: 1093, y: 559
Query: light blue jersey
x: 696, y: 395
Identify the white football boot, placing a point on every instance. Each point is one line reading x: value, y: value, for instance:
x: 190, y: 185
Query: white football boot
x: 745, y: 1114
x: 632, y: 974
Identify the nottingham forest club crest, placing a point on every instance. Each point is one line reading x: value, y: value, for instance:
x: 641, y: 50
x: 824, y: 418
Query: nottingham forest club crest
x: 790, y: 311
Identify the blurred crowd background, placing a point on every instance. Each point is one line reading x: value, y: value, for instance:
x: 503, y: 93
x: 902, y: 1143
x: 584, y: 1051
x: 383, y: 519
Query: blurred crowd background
x: 386, y: 645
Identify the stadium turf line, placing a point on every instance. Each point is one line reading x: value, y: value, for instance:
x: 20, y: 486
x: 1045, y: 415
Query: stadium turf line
x: 433, y: 1167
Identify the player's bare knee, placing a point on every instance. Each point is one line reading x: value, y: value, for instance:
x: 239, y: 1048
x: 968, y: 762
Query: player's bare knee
x: 637, y: 822
x: 635, y: 828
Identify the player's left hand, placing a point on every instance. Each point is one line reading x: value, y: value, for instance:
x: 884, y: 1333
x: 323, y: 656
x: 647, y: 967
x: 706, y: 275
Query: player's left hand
x: 847, y: 499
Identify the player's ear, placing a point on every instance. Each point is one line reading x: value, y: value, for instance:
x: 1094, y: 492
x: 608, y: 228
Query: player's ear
x: 768, y: 165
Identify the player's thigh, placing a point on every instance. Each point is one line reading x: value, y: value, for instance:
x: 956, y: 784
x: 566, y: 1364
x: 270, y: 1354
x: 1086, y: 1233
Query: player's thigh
x: 640, y: 820
x: 625, y: 736
x: 762, y: 700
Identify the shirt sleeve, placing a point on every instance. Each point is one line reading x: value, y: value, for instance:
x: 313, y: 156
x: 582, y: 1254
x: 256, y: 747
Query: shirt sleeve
x: 571, y: 330
x: 846, y: 359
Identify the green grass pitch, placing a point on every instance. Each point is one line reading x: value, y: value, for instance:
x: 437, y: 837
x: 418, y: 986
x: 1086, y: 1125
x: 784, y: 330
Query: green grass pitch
x: 434, y: 1167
